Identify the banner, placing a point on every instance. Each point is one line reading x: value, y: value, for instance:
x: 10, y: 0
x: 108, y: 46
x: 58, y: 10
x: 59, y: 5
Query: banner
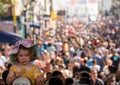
x: 82, y: 1
x: 92, y: 1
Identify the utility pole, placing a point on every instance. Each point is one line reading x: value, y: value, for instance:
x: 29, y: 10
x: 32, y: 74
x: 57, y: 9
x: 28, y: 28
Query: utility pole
x: 14, y: 15
x: 24, y: 29
x: 51, y: 6
x: 44, y: 5
x: 23, y: 23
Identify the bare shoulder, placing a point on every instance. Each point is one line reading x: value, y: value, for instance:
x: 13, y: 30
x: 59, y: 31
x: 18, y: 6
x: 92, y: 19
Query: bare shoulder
x: 15, y: 66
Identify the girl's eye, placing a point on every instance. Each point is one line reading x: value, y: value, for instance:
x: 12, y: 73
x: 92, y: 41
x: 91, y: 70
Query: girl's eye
x: 26, y: 55
x: 20, y: 55
x: 23, y: 55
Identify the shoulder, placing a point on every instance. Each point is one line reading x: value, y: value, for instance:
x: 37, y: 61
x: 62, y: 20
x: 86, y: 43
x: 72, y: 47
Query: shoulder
x: 14, y: 68
x: 100, y: 81
x: 76, y: 83
x: 36, y: 68
x: 3, y: 58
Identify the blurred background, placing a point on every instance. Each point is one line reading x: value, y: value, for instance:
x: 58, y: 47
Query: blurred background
x: 68, y: 32
x: 19, y: 16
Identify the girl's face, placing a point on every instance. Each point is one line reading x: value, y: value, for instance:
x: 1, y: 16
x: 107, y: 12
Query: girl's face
x: 23, y: 57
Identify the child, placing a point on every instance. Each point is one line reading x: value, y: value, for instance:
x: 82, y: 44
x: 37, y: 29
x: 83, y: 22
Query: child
x: 24, y: 52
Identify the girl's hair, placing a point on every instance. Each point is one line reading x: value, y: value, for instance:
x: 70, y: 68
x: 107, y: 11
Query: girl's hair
x: 31, y: 53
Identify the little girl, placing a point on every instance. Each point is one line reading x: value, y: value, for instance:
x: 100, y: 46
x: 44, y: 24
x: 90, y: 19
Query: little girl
x: 24, y: 52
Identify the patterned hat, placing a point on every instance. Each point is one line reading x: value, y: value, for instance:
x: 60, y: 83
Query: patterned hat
x: 25, y: 43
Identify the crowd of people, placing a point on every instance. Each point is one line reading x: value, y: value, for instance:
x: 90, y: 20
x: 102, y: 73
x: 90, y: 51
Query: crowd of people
x: 74, y: 53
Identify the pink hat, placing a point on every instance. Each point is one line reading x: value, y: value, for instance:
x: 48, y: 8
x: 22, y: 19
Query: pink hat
x: 25, y: 43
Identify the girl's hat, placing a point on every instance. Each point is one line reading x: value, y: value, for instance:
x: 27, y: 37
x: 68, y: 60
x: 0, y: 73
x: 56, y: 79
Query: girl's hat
x: 25, y: 43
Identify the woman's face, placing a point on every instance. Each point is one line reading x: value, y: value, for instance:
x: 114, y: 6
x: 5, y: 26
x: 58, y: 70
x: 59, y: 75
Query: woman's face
x: 23, y: 57
x: 94, y: 74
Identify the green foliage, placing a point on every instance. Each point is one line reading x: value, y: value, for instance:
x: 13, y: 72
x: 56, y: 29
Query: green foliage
x: 4, y: 5
x: 1, y: 8
x: 5, y: 1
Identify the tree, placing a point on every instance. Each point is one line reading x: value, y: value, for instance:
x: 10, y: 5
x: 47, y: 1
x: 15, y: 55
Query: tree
x: 116, y: 8
x: 5, y: 5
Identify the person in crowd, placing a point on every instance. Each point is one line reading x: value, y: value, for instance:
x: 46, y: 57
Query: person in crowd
x: 2, y: 59
x: 59, y: 74
x: 22, y: 56
x: 55, y: 81
x: 106, y: 67
x: 84, y: 66
x: 115, y: 58
x: 75, y: 71
x: 5, y: 73
x: 94, y: 78
x: 84, y: 79
x: 105, y: 57
x: 48, y: 76
x: 95, y: 66
x: 69, y: 81
x: 118, y: 74
x: 111, y: 75
x: 98, y: 59
x: 7, y: 52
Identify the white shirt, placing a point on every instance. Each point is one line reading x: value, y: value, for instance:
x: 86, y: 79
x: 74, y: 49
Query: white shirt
x: 97, y: 67
x: 3, y: 60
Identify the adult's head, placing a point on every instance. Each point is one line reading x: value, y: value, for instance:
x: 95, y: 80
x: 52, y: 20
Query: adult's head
x: 69, y: 81
x: 58, y: 74
x: 94, y: 73
x: 55, y: 81
x: 84, y: 78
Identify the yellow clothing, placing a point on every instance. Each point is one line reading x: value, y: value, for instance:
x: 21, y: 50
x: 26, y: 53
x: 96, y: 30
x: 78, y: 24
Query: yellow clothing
x: 29, y: 74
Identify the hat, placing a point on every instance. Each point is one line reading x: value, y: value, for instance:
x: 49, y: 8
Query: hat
x: 25, y: 43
